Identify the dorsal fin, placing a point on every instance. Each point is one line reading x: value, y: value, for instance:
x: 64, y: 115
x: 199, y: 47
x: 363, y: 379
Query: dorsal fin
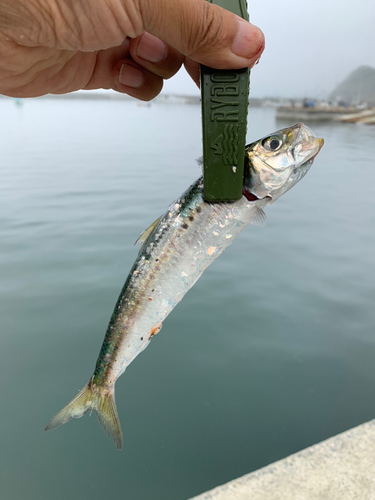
x: 142, y: 240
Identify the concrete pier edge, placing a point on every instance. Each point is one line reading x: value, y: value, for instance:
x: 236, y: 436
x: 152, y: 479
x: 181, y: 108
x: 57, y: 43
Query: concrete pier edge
x: 339, y: 468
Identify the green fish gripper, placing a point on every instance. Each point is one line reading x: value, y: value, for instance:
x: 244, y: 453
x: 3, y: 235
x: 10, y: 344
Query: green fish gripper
x: 225, y: 96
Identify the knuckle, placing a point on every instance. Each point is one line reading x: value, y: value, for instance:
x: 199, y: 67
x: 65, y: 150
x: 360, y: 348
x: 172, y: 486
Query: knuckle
x: 84, y: 26
x: 210, y: 32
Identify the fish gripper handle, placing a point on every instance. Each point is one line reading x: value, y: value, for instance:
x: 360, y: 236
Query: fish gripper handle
x: 225, y: 97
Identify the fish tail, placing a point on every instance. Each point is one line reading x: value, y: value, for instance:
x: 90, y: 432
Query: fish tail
x: 102, y: 403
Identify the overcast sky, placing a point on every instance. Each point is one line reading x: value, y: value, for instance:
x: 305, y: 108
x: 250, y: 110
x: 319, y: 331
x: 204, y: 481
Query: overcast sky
x: 311, y: 46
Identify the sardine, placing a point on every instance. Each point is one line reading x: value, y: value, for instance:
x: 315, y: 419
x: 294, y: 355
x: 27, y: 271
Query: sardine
x: 175, y: 251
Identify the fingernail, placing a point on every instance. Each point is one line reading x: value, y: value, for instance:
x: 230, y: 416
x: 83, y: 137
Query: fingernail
x: 131, y: 76
x: 152, y: 48
x: 249, y: 41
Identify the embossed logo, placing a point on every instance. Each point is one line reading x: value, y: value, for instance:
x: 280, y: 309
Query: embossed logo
x: 226, y: 111
x: 226, y: 145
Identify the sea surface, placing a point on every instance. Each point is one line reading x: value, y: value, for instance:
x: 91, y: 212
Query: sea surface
x: 271, y: 351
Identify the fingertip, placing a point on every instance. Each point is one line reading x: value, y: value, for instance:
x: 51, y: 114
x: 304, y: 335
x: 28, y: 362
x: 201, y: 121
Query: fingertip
x: 229, y: 41
x: 249, y: 42
x: 151, y: 49
x: 131, y: 79
x: 130, y: 76
x: 152, y: 54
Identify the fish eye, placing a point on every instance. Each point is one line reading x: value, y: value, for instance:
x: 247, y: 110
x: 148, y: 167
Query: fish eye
x: 273, y: 143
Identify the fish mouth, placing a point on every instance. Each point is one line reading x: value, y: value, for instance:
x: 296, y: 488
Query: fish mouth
x: 308, y: 147
x: 320, y: 145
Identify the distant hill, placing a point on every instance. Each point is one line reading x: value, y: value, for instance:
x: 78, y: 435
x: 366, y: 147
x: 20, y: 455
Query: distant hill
x: 358, y: 87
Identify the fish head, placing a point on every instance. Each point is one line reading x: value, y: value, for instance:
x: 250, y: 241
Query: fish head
x: 274, y: 164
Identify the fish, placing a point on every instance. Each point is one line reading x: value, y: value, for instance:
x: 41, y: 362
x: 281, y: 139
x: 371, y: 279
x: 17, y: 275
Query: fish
x: 175, y: 251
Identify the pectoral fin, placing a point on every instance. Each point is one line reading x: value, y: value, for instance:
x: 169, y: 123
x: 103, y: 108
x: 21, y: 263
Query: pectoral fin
x: 255, y: 217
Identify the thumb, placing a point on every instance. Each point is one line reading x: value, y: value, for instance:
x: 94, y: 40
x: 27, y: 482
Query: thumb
x: 203, y: 31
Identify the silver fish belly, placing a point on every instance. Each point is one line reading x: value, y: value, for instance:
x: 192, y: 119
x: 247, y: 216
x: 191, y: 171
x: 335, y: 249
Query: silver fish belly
x: 187, y: 239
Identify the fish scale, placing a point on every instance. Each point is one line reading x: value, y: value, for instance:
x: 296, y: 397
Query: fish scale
x: 175, y: 251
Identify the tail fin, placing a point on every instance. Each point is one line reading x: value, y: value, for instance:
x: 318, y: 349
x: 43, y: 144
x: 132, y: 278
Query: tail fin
x: 103, y: 405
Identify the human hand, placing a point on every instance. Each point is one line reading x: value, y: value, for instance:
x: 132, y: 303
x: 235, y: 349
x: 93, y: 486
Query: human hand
x: 131, y: 46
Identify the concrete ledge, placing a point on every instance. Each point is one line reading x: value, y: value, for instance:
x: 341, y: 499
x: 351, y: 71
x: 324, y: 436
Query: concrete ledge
x: 340, y: 468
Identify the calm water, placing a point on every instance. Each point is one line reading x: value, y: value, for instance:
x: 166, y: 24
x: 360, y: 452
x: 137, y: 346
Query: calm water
x: 273, y: 349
